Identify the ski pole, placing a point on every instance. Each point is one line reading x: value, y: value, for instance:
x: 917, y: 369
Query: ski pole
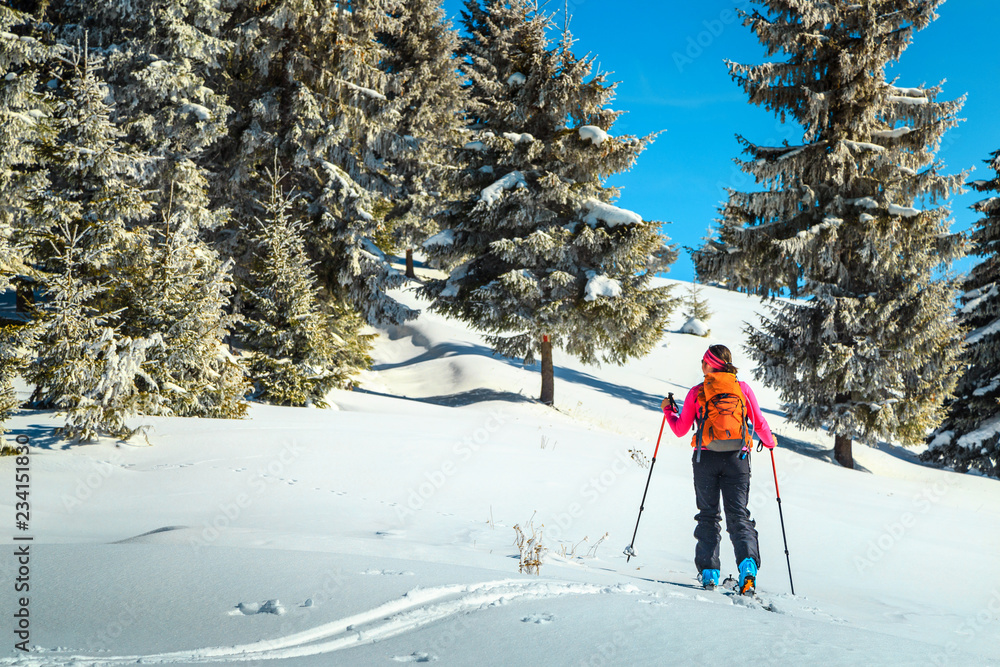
x: 629, y: 550
x: 782, y: 517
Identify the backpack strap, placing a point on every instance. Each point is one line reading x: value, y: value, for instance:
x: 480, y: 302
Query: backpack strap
x: 699, y: 419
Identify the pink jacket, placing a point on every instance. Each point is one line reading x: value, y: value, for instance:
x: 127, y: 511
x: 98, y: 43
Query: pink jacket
x: 682, y: 423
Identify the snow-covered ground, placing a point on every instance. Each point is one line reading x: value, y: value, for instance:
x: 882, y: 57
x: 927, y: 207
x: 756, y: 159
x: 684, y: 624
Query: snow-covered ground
x: 382, y: 531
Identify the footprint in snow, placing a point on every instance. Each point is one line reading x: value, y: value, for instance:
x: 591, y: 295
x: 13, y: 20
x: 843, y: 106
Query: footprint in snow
x: 538, y: 619
x: 416, y: 657
x: 252, y: 608
x: 388, y: 573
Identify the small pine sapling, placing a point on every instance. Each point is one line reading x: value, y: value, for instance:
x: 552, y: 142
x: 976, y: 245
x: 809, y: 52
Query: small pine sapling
x: 696, y: 306
x: 297, y: 354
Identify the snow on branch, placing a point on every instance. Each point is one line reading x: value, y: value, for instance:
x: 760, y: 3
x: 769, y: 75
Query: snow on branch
x: 892, y: 134
x: 197, y: 110
x: 987, y: 205
x: 898, y: 99
x: 601, y: 285
x: 908, y: 92
x: 864, y: 202
x: 904, y: 211
x: 27, y: 117
x: 596, y: 135
x: 479, y: 145
x: 802, y: 238
x: 524, y: 138
x: 443, y: 239
x: 983, y: 332
x: 863, y: 146
x: 975, y: 439
x: 452, y: 287
x: 609, y: 214
x: 780, y: 152
x: 369, y: 246
x: 977, y: 296
x: 368, y: 92
x: 491, y: 194
x: 338, y: 175
x: 987, y: 389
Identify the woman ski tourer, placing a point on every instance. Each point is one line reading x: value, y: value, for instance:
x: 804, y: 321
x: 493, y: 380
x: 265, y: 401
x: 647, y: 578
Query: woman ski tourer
x: 725, y: 415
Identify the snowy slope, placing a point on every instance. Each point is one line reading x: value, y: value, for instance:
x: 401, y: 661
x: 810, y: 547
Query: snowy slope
x: 382, y: 531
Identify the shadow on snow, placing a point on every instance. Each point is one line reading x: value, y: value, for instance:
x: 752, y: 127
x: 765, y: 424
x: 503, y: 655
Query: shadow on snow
x: 447, y: 350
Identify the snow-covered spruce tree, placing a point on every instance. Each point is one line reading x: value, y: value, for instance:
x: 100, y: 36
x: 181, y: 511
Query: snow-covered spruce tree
x: 970, y: 434
x: 870, y: 348
x: 541, y: 256
x: 298, y: 353
x: 83, y: 243
x: 158, y: 55
x: 15, y: 339
x: 306, y: 82
x: 427, y: 90
x: 178, y: 289
x: 22, y: 57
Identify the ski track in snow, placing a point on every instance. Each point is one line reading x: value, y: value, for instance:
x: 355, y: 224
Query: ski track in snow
x: 414, y: 610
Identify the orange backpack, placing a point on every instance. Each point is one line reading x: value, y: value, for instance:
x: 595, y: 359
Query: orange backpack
x: 722, y: 415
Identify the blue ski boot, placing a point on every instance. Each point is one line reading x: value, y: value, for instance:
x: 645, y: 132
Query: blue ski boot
x: 748, y: 576
x: 709, y: 579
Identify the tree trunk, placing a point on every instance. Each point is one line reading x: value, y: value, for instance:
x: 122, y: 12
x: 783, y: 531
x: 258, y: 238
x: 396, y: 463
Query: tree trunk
x: 842, y: 451
x: 409, y: 264
x: 548, y: 374
x: 24, y: 296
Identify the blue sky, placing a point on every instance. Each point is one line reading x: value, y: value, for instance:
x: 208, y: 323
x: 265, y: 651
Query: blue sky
x: 668, y: 58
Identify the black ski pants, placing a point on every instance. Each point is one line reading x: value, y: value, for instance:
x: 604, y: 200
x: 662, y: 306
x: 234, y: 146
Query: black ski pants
x: 728, y: 474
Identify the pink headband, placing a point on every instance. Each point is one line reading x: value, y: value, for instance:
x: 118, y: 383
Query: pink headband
x: 713, y: 361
